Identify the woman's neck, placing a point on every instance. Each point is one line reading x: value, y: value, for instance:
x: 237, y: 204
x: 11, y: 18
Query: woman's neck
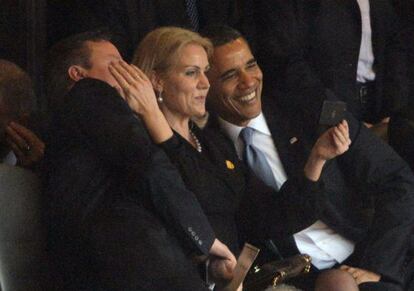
x: 179, y: 124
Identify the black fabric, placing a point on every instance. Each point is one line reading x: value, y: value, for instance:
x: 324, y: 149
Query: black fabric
x: 131, y: 20
x: 114, y: 199
x: 24, y: 263
x: 311, y: 46
x: 401, y: 133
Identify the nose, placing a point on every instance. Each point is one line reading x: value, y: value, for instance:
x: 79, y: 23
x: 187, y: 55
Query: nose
x: 203, y: 82
x: 246, y: 80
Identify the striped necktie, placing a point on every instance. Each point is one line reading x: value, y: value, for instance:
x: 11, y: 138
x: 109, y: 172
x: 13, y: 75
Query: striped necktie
x: 256, y: 159
x: 192, y: 12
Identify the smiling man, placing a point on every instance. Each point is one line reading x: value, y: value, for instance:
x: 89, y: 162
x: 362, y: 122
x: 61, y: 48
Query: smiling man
x: 342, y: 235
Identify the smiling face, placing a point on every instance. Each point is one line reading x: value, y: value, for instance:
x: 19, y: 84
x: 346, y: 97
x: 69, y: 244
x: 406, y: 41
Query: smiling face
x: 184, y: 86
x: 236, y: 83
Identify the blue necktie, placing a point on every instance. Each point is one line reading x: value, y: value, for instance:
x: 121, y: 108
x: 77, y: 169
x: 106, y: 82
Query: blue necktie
x: 192, y: 13
x: 256, y: 159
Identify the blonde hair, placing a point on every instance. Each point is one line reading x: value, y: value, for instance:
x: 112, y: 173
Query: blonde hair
x: 161, y: 47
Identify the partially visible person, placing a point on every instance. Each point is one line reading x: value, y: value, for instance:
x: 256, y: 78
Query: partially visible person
x: 18, y: 144
x: 351, y: 50
x: 120, y: 215
x: 361, y: 232
x: 401, y: 130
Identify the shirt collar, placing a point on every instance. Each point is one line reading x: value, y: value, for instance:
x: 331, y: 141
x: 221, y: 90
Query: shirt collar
x: 233, y: 131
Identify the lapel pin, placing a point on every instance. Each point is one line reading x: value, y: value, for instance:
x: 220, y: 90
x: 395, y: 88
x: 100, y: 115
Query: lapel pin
x: 293, y: 140
x: 229, y: 165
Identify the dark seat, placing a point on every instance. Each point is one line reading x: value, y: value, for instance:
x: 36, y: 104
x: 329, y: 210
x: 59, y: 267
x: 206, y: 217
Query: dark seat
x: 23, y: 258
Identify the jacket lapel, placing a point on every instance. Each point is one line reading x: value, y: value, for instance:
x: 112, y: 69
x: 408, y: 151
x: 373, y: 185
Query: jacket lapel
x: 224, y: 163
x: 287, y: 139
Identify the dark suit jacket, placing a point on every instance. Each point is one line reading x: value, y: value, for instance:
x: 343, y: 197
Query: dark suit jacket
x: 369, y: 176
x: 314, y: 45
x: 131, y: 20
x: 120, y: 214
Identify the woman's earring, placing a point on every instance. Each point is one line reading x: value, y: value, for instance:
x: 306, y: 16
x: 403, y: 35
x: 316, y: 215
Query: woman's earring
x: 159, y: 97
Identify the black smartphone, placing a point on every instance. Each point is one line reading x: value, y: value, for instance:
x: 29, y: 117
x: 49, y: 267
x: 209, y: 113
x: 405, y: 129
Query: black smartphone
x: 332, y: 113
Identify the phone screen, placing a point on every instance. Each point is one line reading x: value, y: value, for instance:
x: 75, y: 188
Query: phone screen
x: 333, y: 112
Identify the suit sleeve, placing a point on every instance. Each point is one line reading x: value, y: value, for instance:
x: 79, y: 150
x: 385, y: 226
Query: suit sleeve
x: 375, y: 165
x: 104, y: 121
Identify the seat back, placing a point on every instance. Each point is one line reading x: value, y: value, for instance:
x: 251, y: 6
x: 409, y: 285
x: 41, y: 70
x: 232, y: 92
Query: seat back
x: 23, y: 257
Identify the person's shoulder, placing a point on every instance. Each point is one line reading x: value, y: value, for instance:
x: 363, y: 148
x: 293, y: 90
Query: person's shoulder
x: 88, y: 90
x: 90, y: 84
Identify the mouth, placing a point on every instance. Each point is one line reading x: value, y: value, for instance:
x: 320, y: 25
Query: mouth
x: 247, y: 98
x: 200, y: 98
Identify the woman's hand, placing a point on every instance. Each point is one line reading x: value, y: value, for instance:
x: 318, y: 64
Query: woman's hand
x: 361, y: 275
x: 28, y: 148
x: 222, y: 263
x: 137, y: 91
x: 332, y: 143
x: 134, y: 87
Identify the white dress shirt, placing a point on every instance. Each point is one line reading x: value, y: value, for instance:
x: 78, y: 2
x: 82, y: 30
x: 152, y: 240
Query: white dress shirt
x: 325, y: 246
x: 365, y: 71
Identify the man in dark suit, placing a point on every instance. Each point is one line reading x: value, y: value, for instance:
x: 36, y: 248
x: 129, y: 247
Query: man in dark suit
x: 373, y: 245
x: 354, y: 49
x: 130, y: 20
x: 120, y: 216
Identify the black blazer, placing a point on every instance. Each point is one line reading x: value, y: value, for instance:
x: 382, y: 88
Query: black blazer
x: 119, y: 213
x: 315, y: 46
x: 368, y: 176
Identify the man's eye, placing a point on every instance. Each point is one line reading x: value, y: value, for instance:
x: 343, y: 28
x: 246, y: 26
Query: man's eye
x: 252, y: 65
x: 229, y: 77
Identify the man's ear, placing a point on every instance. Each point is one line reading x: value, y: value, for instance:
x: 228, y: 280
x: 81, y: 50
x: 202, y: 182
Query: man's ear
x: 156, y: 81
x: 76, y: 73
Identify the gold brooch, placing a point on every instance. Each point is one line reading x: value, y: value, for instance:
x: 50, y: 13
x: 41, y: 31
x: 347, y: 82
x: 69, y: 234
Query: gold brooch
x: 229, y: 165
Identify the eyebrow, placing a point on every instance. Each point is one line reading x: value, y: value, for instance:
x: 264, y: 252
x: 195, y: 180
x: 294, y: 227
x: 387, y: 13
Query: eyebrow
x: 232, y: 71
x: 195, y: 67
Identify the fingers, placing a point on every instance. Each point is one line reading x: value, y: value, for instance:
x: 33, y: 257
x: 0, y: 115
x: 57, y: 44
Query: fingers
x: 341, y: 134
x: 27, y: 147
x: 126, y: 74
x: 16, y: 149
x: 18, y: 140
x: 123, y: 83
x: 361, y: 275
x: 140, y: 73
x: 26, y: 134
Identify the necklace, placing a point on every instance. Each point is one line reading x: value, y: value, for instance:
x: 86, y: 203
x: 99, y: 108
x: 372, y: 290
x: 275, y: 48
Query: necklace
x: 196, y: 141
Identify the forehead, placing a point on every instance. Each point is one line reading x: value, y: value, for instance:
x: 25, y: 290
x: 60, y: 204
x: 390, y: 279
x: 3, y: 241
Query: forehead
x: 231, y: 55
x: 192, y: 53
x: 189, y: 55
x: 103, y: 49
